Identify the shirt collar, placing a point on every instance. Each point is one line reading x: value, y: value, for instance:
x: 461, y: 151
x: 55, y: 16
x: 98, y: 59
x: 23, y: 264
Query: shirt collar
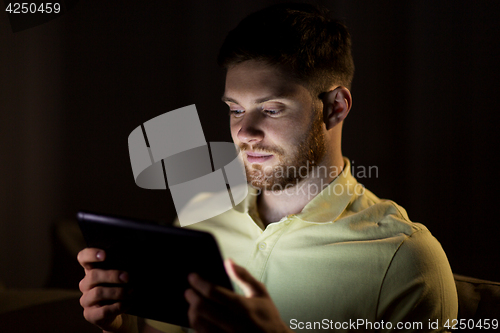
x: 327, y: 206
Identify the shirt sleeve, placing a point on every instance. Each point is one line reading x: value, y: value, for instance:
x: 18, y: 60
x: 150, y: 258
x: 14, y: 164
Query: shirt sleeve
x: 418, y: 292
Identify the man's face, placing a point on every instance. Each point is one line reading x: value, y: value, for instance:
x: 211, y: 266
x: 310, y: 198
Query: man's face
x: 274, y: 123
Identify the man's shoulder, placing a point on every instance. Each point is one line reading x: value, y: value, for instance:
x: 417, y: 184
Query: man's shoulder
x: 365, y: 199
x: 388, y: 223
x: 366, y: 208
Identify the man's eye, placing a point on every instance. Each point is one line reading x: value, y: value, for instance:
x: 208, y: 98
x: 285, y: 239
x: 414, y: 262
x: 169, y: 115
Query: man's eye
x: 236, y: 113
x: 272, y: 112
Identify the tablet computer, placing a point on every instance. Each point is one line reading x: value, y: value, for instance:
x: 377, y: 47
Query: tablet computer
x: 158, y: 259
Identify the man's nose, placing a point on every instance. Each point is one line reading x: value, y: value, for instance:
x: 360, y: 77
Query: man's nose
x: 250, y: 130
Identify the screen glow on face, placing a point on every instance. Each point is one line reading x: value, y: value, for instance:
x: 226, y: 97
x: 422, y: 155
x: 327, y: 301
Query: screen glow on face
x: 275, y: 124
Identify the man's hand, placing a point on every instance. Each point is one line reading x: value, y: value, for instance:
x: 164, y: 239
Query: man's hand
x: 103, y: 292
x: 217, y: 309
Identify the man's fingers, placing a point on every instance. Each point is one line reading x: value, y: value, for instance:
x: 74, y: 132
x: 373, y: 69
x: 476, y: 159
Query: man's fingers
x: 104, y: 291
x: 104, y: 316
x: 99, y: 295
x: 206, y: 315
x: 88, y: 256
x: 248, y: 284
x: 213, y: 292
x: 95, y: 277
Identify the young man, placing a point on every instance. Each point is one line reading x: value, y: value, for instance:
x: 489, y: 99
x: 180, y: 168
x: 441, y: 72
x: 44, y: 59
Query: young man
x: 320, y: 252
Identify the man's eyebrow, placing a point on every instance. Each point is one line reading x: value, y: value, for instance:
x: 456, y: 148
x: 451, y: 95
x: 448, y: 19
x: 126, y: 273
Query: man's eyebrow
x: 268, y: 98
x: 257, y: 101
x: 228, y: 99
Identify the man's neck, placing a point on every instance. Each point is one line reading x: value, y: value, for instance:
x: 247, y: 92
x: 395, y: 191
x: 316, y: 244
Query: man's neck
x: 274, y: 205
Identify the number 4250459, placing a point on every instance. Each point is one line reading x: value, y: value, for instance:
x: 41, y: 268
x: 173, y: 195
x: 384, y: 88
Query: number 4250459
x: 462, y: 324
x: 27, y: 7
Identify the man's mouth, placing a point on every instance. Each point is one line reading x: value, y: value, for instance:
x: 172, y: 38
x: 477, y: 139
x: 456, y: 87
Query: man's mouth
x: 258, y: 157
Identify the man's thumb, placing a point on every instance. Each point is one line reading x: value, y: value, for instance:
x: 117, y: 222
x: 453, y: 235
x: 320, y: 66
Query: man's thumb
x: 247, y: 283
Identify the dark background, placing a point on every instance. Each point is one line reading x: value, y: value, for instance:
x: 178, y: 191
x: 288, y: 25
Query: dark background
x: 425, y: 111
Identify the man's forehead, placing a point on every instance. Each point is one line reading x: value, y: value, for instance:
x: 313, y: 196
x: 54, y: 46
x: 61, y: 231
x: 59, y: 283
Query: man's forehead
x: 259, y: 82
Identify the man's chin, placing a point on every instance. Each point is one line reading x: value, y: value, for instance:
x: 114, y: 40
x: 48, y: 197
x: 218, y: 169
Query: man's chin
x: 273, y: 185
x: 259, y: 184
x: 265, y: 179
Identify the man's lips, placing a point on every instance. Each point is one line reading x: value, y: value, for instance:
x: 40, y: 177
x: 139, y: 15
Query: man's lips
x: 258, y: 157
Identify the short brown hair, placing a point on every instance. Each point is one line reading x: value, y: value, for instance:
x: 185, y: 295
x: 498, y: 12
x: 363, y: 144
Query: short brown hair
x: 315, y: 49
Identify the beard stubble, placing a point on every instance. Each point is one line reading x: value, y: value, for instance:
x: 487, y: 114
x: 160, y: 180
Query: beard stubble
x: 309, y: 153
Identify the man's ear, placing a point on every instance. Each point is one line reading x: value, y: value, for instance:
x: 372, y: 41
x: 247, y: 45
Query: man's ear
x: 336, y: 106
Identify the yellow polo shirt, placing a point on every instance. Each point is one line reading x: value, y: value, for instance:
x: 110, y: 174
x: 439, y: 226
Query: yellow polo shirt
x: 349, y: 261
